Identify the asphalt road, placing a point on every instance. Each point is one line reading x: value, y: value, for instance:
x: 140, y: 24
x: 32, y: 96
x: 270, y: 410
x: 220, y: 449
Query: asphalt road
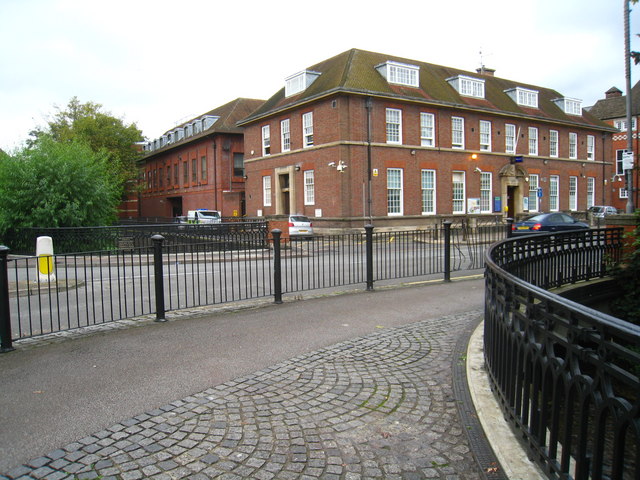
x: 56, y: 393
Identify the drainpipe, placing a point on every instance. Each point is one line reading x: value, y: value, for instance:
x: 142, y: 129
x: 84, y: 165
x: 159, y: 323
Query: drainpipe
x: 215, y: 176
x: 369, y: 106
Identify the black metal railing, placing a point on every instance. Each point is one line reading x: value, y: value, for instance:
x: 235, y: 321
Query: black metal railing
x: 97, y: 287
x: 123, y: 237
x: 566, y: 376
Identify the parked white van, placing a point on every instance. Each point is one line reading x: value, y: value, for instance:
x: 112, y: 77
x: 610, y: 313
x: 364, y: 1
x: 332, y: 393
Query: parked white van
x: 204, y: 216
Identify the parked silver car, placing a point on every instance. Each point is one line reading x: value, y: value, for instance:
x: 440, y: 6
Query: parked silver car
x: 600, y: 211
x: 300, y: 227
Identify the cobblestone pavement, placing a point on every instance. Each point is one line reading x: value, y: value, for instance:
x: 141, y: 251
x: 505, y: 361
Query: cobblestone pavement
x: 377, y: 407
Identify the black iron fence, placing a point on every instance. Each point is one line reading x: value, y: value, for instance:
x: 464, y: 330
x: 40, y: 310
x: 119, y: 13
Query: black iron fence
x: 567, y: 376
x: 165, y: 275
x: 126, y: 237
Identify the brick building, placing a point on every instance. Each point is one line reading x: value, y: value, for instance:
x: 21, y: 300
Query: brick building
x: 365, y: 136
x: 613, y: 110
x: 198, y: 164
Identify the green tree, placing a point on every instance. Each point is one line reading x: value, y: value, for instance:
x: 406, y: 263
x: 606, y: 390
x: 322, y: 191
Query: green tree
x: 57, y: 184
x: 627, y: 305
x: 87, y: 123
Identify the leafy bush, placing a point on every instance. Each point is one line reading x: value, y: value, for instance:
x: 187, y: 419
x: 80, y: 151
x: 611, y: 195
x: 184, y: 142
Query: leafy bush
x: 627, y: 305
x: 57, y: 184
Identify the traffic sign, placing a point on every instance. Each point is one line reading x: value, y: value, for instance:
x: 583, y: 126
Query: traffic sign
x: 627, y: 160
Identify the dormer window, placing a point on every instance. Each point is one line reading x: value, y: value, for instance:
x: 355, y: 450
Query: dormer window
x: 468, y: 86
x: 299, y: 82
x: 400, y: 73
x: 570, y: 106
x: 524, y: 96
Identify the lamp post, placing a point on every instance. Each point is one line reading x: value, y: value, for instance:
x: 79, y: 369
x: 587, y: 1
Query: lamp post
x: 627, y: 68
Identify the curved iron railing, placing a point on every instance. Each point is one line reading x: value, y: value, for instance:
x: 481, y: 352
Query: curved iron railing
x: 567, y: 376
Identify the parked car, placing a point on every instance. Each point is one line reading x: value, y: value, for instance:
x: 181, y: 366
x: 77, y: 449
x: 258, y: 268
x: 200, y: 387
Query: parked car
x: 300, y: 227
x: 547, y: 222
x: 203, y: 216
x: 600, y: 211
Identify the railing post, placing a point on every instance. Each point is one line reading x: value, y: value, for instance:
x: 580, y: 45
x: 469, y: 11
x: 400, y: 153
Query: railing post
x: 509, y: 227
x: 277, y: 266
x: 158, y: 277
x: 369, y: 252
x: 447, y: 250
x: 5, y: 314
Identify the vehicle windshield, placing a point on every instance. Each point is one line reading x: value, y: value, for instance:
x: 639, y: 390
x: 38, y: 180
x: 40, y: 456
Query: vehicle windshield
x: 299, y: 218
x: 597, y: 209
x: 210, y: 214
x: 534, y: 218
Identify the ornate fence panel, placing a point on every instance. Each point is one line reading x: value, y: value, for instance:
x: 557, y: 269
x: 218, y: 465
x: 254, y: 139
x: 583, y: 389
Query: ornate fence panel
x: 567, y: 376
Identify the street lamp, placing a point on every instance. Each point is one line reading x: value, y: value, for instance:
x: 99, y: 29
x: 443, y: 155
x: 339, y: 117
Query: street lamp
x: 627, y: 68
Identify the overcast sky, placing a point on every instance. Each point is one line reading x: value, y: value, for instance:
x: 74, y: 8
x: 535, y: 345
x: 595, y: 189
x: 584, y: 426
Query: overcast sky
x: 157, y: 63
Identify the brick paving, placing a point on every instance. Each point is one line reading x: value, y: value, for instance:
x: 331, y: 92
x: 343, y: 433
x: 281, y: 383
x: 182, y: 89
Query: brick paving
x: 380, y: 406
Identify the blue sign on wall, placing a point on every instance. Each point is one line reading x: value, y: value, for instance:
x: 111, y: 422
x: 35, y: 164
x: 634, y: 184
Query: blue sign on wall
x: 539, y: 192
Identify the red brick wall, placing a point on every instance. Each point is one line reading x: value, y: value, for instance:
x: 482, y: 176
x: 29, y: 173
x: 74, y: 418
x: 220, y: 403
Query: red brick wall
x: 340, y: 133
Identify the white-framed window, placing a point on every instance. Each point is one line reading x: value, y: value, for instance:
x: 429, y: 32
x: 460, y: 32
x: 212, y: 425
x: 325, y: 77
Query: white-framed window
x: 553, y: 143
x: 428, y: 192
x: 394, y: 125
x: 307, y: 129
x: 591, y: 192
x: 266, y: 191
x: 573, y: 145
x: 533, y: 193
x: 622, y: 124
x: 554, y: 194
x: 266, y: 141
x: 458, y: 189
x: 526, y: 97
x: 591, y: 147
x: 427, y: 129
x: 309, y: 188
x: 299, y: 82
x: 485, y: 192
x: 457, y: 132
x: 402, y: 74
x: 285, y: 135
x: 509, y: 138
x: 623, y: 193
x: 533, y: 141
x: 485, y: 135
x: 570, y: 106
x: 394, y: 191
x: 573, y: 193
x: 468, y: 86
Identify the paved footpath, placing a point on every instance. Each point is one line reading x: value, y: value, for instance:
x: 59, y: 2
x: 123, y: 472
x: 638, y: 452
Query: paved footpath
x: 363, y: 387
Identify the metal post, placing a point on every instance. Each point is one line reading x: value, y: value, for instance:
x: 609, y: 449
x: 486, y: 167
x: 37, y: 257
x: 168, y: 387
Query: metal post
x: 369, y: 251
x: 277, y: 266
x: 5, y: 314
x: 159, y: 277
x: 628, y: 173
x: 447, y: 250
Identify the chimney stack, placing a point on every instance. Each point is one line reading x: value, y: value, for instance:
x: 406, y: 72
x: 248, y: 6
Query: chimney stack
x: 489, y: 72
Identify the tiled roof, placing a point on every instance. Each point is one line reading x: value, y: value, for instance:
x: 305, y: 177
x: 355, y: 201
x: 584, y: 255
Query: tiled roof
x: 354, y: 72
x: 229, y: 114
x: 616, y: 107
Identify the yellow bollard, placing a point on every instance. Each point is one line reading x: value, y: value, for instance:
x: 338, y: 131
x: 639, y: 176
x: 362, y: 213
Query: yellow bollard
x: 44, y: 252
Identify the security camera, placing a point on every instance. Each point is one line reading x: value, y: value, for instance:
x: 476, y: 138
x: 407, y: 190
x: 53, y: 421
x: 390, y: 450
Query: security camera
x: 332, y: 164
x: 341, y: 167
x: 477, y: 170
